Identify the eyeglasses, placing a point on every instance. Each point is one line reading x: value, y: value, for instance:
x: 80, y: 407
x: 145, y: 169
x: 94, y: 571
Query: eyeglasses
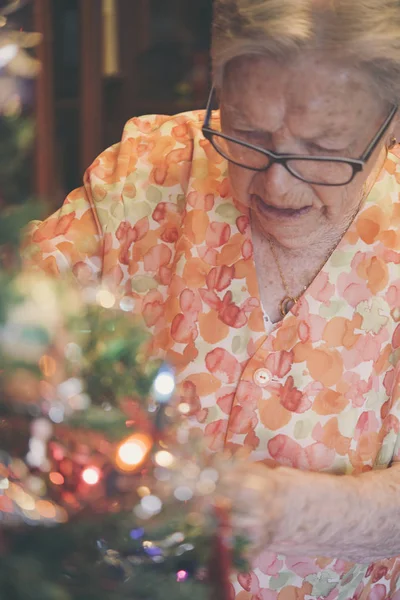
x: 318, y: 170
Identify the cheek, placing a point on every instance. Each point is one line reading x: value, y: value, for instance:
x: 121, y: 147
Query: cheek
x: 241, y: 180
x: 339, y: 202
x: 331, y: 197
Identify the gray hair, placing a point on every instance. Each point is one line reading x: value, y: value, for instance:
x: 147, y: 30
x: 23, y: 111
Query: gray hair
x: 364, y: 33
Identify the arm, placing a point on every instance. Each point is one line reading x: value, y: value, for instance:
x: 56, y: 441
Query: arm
x: 69, y: 240
x: 93, y: 233
x: 356, y: 518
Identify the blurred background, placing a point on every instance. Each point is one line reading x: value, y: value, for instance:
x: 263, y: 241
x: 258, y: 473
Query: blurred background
x: 102, y: 62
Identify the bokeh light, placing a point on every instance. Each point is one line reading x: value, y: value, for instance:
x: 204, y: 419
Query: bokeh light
x: 46, y: 509
x: 143, y: 491
x: 105, y: 298
x: 91, y: 475
x: 183, y: 493
x: 137, y: 534
x: 7, y: 54
x: 164, y: 386
x: 127, y: 304
x: 151, y: 505
x: 164, y: 458
x: 56, y: 413
x: 56, y: 478
x: 41, y: 429
x: 133, y: 451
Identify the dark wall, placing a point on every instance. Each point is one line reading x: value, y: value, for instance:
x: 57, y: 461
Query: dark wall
x: 164, y: 57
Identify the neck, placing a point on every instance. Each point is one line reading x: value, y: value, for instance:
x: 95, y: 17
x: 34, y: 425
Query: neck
x: 317, y: 250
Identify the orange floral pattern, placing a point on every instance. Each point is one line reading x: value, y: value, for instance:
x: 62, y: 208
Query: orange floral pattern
x: 319, y: 392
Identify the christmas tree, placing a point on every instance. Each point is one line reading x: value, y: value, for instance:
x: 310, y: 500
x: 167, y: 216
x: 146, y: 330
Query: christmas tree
x: 104, y: 494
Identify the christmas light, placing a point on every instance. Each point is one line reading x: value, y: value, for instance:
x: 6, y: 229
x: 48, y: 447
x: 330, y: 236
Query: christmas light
x: 137, y: 534
x: 4, y: 484
x: 46, y: 509
x: 7, y: 53
x: 164, y: 386
x: 127, y: 304
x: 41, y: 429
x: 56, y: 478
x: 25, y: 501
x: 164, y: 458
x: 151, y: 505
x: 105, y: 298
x: 182, y: 576
x: 56, y: 414
x: 183, y: 493
x: 37, y: 452
x: 133, y: 451
x: 91, y: 475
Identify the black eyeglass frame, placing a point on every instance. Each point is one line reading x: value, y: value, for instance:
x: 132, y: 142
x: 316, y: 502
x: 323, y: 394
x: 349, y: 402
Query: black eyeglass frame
x: 357, y: 164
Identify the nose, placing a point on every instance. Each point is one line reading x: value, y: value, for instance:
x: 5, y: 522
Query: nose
x: 277, y: 181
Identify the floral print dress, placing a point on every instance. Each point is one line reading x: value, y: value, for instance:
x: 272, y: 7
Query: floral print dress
x: 318, y: 391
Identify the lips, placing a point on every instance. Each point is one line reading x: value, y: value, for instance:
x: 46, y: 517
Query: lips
x: 274, y: 211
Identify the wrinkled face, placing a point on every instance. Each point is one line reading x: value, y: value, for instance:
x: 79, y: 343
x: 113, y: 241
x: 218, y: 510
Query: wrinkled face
x: 310, y: 107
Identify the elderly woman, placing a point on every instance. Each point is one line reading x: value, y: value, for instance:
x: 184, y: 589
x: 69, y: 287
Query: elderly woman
x: 261, y: 245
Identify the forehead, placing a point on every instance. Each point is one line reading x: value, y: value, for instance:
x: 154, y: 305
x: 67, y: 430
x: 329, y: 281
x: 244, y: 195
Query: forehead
x: 307, y: 93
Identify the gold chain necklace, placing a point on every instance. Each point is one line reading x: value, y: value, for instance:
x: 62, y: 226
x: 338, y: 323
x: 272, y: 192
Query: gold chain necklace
x: 289, y: 300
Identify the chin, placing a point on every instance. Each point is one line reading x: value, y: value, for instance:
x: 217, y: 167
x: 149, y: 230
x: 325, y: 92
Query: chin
x: 293, y: 236
x: 293, y: 243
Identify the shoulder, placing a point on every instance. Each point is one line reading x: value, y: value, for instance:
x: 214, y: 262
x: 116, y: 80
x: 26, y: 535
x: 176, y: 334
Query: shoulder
x: 174, y: 125
x: 151, y: 147
x: 140, y: 132
x: 152, y: 164
x: 155, y: 150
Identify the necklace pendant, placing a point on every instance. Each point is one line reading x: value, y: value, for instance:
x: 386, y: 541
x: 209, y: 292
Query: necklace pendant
x: 287, y: 303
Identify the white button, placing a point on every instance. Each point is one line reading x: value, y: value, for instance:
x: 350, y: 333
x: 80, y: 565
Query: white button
x: 262, y: 377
